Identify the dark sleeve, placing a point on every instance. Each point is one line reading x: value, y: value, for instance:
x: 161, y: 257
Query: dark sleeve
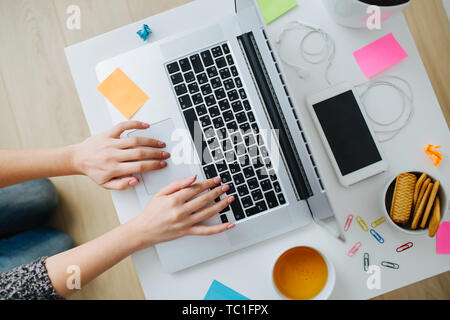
x: 27, y: 282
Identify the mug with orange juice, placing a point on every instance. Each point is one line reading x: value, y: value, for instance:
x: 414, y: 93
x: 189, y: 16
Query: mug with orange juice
x: 303, y: 273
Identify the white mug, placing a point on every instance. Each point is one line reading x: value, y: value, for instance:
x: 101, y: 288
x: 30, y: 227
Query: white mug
x: 355, y: 13
x: 326, y: 291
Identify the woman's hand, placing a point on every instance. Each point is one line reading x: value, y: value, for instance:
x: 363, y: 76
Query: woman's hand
x: 109, y: 160
x: 177, y: 209
x: 174, y: 211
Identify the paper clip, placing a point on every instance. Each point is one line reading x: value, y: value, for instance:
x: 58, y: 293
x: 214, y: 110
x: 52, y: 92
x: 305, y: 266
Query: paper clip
x: 144, y: 32
x: 404, y: 247
x: 377, y: 236
x: 348, y: 222
x: 354, y: 249
x: 377, y: 222
x: 366, y: 261
x: 362, y: 224
x: 391, y: 265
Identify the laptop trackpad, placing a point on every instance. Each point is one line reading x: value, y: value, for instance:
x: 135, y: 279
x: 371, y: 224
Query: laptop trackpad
x: 155, y: 180
x: 258, y: 228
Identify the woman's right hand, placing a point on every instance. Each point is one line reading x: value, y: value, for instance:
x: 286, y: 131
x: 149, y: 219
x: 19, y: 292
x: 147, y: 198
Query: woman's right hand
x: 177, y: 210
x: 111, y: 161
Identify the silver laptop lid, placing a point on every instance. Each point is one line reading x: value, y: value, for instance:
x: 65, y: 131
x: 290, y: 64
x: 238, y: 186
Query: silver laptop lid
x: 318, y: 201
x: 243, y: 4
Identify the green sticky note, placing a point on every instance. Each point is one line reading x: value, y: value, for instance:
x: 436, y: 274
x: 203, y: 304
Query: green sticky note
x: 273, y: 9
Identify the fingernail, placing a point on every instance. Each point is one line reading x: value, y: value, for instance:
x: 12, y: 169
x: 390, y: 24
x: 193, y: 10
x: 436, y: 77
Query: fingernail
x: 133, y: 182
x: 166, y: 155
x: 217, y: 180
x: 225, y: 188
x: 163, y: 164
x: 145, y: 125
x: 231, y: 226
x: 230, y: 199
x: 161, y: 144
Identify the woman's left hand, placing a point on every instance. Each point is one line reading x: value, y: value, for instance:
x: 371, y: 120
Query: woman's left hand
x: 110, y: 161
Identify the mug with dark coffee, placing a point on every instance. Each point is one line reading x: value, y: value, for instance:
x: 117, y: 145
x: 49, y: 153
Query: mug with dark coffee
x: 355, y: 13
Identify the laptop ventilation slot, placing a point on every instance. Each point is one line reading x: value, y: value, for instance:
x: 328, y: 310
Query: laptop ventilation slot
x: 275, y: 115
x: 299, y: 125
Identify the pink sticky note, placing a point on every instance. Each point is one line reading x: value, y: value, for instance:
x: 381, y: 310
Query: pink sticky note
x: 379, y: 55
x: 443, y: 238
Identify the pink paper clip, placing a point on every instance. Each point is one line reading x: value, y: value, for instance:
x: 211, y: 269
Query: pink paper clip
x: 404, y: 247
x: 354, y: 249
x: 348, y: 222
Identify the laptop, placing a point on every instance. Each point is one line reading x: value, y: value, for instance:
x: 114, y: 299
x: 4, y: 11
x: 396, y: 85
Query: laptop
x: 219, y: 99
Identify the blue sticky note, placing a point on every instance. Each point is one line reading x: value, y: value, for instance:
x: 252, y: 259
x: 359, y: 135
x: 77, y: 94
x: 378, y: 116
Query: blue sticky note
x: 218, y: 291
x: 144, y: 32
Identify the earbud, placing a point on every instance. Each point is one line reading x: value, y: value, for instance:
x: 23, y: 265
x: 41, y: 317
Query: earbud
x: 303, y: 73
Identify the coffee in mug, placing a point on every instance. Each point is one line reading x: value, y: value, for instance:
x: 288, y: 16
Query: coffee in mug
x: 300, y: 273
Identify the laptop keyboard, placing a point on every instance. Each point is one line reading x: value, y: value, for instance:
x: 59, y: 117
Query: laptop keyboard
x: 225, y: 132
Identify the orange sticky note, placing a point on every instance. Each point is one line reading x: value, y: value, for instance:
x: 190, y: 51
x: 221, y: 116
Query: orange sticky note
x: 123, y: 93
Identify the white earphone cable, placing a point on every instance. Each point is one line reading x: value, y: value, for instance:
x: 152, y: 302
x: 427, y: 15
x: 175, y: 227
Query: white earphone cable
x: 325, y: 54
x: 407, y: 110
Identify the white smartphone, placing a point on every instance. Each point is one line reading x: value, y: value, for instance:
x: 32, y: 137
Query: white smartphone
x: 348, y: 139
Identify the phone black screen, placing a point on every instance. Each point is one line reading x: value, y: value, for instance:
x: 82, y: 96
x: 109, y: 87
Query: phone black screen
x: 347, y: 132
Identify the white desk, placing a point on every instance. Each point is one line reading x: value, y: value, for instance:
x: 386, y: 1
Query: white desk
x: 249, y: 270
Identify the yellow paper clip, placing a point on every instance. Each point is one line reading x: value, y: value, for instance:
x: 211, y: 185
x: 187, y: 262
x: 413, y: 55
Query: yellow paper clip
x: 362, y: 224
x: 377, y: 222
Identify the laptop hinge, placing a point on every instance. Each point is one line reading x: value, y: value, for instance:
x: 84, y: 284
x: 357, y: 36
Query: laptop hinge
x: 240, y: 5
x: 275, y: 116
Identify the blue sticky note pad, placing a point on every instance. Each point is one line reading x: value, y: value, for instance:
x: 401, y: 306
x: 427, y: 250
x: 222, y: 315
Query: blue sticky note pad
x: 218, y: 291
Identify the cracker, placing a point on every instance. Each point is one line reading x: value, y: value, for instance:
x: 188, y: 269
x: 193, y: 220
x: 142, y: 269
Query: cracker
x: 402, y: 199
x: 418, y: 186
x: 430, y: 203
x: 422, y: 191
x: 435, y: 218
x: 421, y: 207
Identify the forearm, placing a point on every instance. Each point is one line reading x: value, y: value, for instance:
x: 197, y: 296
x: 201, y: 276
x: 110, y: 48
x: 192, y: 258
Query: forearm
x: 92, y: 258
x: 17, y: 166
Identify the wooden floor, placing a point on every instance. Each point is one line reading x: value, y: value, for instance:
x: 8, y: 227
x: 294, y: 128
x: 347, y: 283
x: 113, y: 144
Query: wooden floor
x: 40, y: 108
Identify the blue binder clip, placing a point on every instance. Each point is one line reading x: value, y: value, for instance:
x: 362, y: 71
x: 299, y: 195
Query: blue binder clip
x: 144, y: 32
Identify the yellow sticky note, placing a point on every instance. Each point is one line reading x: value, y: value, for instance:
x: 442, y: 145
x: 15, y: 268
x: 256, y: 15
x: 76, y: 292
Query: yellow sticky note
x: 123, y: 93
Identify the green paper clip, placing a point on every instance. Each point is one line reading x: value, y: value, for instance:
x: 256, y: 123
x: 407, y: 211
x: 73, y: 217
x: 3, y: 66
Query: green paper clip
x: 391, y: 265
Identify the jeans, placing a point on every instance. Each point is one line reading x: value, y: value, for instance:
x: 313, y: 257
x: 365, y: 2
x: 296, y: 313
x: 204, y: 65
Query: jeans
x: 24, y: 208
